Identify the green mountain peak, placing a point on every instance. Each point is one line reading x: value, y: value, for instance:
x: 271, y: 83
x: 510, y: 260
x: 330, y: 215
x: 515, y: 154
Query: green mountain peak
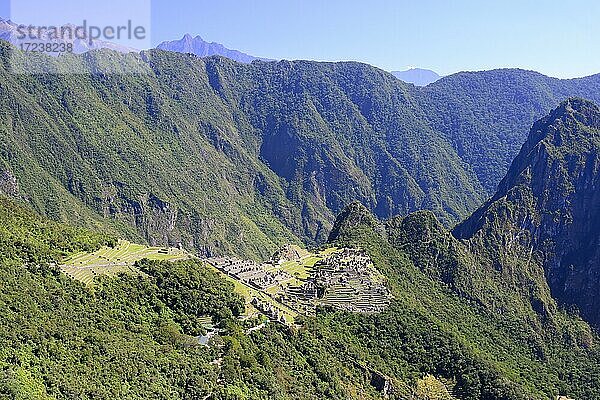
x: 548, y: 203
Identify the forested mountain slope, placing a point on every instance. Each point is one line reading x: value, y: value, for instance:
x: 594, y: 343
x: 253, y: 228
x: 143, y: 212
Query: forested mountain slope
x: 227, y: 158
x: 471, y: 318
x: 492, y: 300
x: 548, y: 205
x: 221, y: 156
x: 130, y: 337
x: 486, y: 115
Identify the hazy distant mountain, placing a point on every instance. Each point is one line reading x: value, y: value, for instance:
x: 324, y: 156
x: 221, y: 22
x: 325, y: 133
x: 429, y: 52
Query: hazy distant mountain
x: 200, y: 47
x: 9, y: 32
x: 417, y: 76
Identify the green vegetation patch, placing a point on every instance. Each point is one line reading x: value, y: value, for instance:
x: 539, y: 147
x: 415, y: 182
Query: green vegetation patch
x: 111, y: 261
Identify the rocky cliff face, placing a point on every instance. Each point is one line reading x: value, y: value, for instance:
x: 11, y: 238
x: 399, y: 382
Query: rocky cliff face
x: 8, y: 184
x: 549, y: 203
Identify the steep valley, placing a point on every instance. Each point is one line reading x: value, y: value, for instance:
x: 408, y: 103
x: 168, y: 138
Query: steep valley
x: 224, y: 157
x: 398, y: 279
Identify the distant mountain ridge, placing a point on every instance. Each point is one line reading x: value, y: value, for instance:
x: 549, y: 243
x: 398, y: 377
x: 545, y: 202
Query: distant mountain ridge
x: 487, y: 115
x: 417, y: 76
x: 201, y: 48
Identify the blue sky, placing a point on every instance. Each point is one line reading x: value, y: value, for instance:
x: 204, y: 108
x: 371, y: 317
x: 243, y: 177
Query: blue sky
x: 558, y: 38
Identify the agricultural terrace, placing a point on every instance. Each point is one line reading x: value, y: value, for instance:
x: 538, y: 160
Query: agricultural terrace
x: 111, y: 261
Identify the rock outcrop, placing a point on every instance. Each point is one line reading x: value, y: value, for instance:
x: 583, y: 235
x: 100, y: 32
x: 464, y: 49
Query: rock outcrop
x: 8, y: 184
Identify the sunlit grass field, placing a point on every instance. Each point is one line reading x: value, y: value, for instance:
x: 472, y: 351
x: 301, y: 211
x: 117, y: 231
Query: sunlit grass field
x: 111, y: 261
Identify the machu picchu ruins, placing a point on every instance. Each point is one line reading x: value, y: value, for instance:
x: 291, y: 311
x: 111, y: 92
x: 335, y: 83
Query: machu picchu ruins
x: 249, y: 272
x: 346, y: 280
x: 296, y: 281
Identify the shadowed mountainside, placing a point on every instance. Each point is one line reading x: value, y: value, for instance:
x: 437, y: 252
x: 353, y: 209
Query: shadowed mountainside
x: 548, y: 204
x: 232, y: 158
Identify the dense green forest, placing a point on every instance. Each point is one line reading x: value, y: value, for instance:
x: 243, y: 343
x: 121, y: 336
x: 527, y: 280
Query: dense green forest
x: 226, y: 157
x: 232, y: 159
x: 129, y: 337
x: 133, y: 336
x: 548, y: 204
x: 486, y: 115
